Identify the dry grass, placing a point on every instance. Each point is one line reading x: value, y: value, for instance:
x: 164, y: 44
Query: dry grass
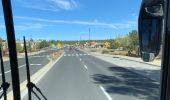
x: 108, y: 51
x: 116, y: 52
x: 55, y: 55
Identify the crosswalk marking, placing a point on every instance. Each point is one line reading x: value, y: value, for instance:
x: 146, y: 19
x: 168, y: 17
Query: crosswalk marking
x: 76, y: 55
x: 37, y: 56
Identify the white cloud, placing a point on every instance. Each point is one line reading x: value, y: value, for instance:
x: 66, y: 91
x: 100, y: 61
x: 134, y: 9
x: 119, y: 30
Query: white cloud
x: 127, y: 24
x: 27, y: 26
x: 65, y: 4
x: 49, y: 5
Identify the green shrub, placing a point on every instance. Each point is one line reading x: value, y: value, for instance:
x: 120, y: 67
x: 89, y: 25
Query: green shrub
x: 105, y: 51
x: 112, y: 50
x: 92, y: 50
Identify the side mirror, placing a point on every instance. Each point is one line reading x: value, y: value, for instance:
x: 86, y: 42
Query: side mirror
x: 150, y: 27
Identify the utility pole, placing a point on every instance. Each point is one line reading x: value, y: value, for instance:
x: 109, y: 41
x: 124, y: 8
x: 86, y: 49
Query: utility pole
x: 89, y: 34
x: 80, y: 41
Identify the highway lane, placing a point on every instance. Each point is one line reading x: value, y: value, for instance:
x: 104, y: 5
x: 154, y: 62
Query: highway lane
x: 36, y: 61
x: 80, y: 76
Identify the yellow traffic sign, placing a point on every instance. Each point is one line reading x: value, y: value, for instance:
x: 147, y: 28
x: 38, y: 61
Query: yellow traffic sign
x: 59, y: 45
x: 107, y: 44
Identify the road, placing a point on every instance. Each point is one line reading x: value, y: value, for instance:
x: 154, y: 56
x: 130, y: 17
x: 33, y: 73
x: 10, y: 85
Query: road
x: 36, y: 61
x: 80, y: 76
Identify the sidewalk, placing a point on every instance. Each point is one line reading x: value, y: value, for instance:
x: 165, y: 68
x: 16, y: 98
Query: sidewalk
x: 156, y: 62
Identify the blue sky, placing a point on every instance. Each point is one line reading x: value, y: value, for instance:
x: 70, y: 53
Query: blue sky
x: 71, y: 19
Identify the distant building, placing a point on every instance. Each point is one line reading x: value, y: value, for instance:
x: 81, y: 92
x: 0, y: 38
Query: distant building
x: 5, y: 50
x: 93, y: 44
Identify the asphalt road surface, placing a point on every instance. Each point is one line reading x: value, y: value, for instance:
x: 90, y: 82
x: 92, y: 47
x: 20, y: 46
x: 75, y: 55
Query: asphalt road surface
x: 36, y: 62
x: 80, y: 76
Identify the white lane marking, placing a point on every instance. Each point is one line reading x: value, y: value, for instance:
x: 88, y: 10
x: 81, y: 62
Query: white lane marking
x: 21, y: 67
x: 6, y: 72
x: 85, y: 67
x: 10, y: 70
x: 35, y: 64
x: 37, y: 56
x: 105, y: 93
x: 76, y: 54
x: 80, y: 59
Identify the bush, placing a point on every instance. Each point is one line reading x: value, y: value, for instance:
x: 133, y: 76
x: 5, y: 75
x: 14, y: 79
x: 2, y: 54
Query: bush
x: 19, y: 48
x: 92, y: 50
x: 105, y: 51
x: 112, y: 50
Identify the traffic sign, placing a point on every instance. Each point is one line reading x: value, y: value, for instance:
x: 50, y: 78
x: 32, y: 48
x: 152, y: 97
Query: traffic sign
x: 59, y: 45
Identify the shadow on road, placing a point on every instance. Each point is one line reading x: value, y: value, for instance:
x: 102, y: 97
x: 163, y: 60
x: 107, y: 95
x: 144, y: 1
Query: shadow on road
x: 126, y: 82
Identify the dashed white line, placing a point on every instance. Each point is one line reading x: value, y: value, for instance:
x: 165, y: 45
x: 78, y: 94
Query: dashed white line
x: 6, y: 72
x: 35, y: 64
x: 85, y: 67
x: 37, y: 56
x: 10, y: 70
x: 21, y: 67
x: 105, y: 93
x: 80, y: 59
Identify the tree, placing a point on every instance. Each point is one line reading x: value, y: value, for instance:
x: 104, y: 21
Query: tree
x: 53, y: 42
x: 44, y: 44
x: 29, y: 46
x: 1, y: 41
x: 129, y: 42
x: 134, y: 41
x: 114, y: 44
x: 19, y: 47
